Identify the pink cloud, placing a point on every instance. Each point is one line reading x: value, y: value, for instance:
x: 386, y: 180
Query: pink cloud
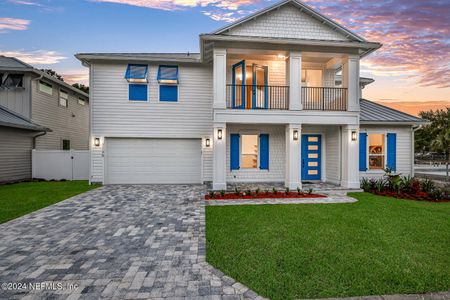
x: 38, y: 57
x: 76, y: 76
x: 414, y: 34
x: 181, y: 4
x: 7, y: 24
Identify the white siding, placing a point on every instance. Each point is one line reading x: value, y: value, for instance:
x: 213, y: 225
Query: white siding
x: 404, y: 148
x: 67, y: 123
x: 333, y: 153
x: 277, y: 152
x: 18, y: 100
x: 113, y: 115
x: 15, y: 154
x: 287, y: 22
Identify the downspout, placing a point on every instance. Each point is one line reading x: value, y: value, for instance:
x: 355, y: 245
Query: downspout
x: 36, y: 136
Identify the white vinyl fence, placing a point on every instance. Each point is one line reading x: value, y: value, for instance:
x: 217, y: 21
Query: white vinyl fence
x: 60, y: 164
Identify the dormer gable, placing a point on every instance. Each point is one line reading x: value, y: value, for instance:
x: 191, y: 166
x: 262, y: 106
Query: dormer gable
x: 290, y: 19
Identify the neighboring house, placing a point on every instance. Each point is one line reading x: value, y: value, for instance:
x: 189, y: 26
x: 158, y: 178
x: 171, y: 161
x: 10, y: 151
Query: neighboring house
x: 37, y: 111
x: 261, y: 102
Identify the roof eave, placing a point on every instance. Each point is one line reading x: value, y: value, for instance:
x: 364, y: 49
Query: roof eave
x: 409, y: 123
x: 89, y: 58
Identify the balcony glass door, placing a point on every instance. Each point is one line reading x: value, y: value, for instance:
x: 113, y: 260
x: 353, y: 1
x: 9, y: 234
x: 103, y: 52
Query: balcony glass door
x: 238, y: 92
x: 259, y: 87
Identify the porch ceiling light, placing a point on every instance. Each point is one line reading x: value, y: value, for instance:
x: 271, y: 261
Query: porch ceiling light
x: 353, y: 136
x: 97, y: 142
x: 207, y: 142
x: 219, y: 134
x: 295, y: 135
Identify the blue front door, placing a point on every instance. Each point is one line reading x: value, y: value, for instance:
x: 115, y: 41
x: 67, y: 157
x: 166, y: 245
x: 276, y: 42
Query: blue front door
x: 311, y: 157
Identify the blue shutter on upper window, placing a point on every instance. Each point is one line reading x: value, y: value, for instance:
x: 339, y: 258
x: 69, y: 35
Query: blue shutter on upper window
x: 392, y: 151
x: 136, y: 73
x: 363, y: 152
x: 137, y: 92
x: 264, y: 151
x: 168, y: 93
x: 168, y: 74
x: 234, y: 151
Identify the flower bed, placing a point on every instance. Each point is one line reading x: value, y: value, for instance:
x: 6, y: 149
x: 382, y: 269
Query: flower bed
x: 261, y: 195
x: 408, y: 188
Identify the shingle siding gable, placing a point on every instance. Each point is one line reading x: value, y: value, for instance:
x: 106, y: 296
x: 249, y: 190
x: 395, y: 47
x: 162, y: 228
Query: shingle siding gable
x: 287, y: 22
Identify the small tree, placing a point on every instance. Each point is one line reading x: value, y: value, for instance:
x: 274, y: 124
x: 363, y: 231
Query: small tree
x: 81, y: 87
x: 435, y: 136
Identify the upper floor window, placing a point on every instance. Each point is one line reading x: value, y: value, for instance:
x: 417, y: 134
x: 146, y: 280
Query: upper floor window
x: 168, y: 80
x: 136, y: 73
x: 63, y: 98
x: 377, y: 151
x: 13, y: 81
x: 81, y: 101
x: 45, y: 87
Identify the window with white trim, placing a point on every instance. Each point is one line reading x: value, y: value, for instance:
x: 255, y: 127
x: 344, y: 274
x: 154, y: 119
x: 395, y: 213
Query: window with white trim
x: 377, y: 151
x: 45, y: 87
x: 63, y: 98
x: 13, y: 81
x: 249, y: 151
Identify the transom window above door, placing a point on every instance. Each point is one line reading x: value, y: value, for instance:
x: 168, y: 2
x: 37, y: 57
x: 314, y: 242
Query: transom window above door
x: 249, y: 151
x: 377, y: 151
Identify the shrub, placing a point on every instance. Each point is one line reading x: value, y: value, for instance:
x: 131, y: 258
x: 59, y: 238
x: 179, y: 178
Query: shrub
x: 299, y: 191
x: 287, y: 190
x: 257, y: 191
x: 274, y: 190
x: 405, y: 184
x: 365, y: 184
x: 427, y: 185
x: 222, y: 193
x: 237, y: 191
x: 436, y: 194
x: 248, y: 192
x: 380, y: 185
x: 211, y: 194
x: 310, y: 190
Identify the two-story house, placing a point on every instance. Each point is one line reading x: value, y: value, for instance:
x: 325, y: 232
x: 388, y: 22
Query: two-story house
x: 37, y: 111
x: 273, y: 97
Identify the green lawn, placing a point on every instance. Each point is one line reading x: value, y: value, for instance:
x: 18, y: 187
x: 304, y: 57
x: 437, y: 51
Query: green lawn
x: 376, y: 246
x: 22, y: 198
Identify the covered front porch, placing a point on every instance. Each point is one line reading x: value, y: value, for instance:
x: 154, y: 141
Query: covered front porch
x: 288, y: 155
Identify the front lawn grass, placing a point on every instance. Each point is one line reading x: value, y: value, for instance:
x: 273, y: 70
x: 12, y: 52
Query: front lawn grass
x: 22, y: 198
x: 376, y: 246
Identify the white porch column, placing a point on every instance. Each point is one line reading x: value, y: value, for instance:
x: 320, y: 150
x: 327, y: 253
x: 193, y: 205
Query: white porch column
x: 220, y: 78
x: 350, y: 80
x: 350, y: 157
x: 295, y: 80
x: 219, y: 157
x: 292, y: 175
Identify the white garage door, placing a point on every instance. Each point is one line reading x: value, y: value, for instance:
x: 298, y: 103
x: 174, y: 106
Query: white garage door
x: 141, y: 161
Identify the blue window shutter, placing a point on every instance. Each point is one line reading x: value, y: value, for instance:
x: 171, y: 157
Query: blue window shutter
x: 363, y: 152
x: 392, y: 151
x: 234, y: 151
x: 168, y: 93
x: 264, y: 151
x: 137, y: 92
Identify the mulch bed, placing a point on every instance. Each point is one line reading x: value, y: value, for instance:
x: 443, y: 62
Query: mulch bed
x: 263, y: 195
x: 419, y: 196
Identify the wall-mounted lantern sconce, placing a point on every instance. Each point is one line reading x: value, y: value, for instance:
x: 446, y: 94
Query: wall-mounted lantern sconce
x: 207, y: 142
x: 295, y: 136
x: 353, y: 136
x: 219, y: 134
x: 97, y: 142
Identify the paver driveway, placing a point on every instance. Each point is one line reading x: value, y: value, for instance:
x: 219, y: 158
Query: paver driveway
x: 115, y: 242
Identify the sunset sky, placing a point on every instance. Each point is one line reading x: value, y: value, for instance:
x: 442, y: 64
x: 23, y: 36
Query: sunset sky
x: 412, y: 69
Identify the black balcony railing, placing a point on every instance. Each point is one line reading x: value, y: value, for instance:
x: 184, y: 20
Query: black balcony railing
x: 257, y: 97
x: 324, y: 98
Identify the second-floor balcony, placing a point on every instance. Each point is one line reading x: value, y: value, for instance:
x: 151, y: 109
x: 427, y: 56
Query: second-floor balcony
x: 273, y: 97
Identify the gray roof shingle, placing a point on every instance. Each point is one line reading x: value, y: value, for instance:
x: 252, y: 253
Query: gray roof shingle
x: 10, y: 119
x: 373, y: 113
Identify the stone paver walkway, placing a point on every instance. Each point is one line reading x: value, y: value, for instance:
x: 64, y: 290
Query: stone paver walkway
x: 119, y: 242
